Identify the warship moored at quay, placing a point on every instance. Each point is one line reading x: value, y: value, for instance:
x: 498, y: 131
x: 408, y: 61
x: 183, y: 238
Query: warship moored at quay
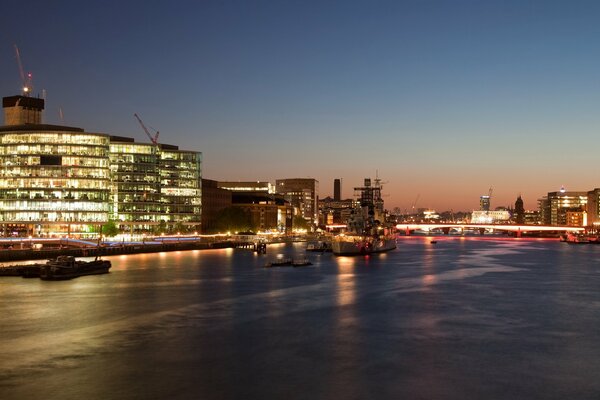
x: 367, y: 231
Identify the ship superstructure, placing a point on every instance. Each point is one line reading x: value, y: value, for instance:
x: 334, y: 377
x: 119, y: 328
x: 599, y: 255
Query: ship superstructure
x: 366, y: 230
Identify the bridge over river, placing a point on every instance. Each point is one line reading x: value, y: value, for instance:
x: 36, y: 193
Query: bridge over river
x: 518, y: 229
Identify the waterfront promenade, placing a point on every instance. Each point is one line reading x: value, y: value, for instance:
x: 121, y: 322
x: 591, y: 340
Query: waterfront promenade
x: 19, y: 249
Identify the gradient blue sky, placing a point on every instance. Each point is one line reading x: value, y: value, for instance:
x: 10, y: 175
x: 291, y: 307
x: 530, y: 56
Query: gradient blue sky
x: 443, y: 98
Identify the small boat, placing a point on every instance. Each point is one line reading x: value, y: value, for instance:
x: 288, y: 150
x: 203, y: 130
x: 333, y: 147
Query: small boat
x: 67, y: 267
x: 280, y: 262
x: 12, y: 270
x: 25, y: 270
x: 433, y: 242
x: 318, y: 246
x: 31, y: 270
x: 577, y: 239
x: 301, y: 263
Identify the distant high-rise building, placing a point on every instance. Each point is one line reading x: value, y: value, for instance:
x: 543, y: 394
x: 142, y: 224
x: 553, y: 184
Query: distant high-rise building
x: 337, y: 189
x: 484, y: 203
x: 519, y: 211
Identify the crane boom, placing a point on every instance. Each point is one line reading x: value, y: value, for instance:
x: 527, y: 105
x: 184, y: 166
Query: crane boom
x: 153, y: 139
x: 25, y: 79
x: 415, y: 202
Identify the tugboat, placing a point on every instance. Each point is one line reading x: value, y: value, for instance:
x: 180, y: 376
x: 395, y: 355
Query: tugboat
x: 67, y: 267
x: 366, y: 232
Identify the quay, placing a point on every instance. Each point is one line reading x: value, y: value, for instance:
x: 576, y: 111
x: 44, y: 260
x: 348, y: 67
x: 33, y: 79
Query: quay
x: 24, y: 249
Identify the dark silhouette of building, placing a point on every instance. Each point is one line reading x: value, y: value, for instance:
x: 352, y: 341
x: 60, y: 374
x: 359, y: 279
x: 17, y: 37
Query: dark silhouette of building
x: 519, y: 211
x: 214, y: 200
x: 303, y: 195
x: 337, y: 189
x: 267, y: 211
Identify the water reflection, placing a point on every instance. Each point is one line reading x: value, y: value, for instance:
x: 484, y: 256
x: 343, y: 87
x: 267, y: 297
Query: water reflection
x: 414, y: 323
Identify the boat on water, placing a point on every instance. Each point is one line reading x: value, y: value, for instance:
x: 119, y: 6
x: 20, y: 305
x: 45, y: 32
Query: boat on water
x: 318, y: 246
x: 367, y: 232
x: 67, y: 267
x: 289, y: 262
x: 354, y: 245
x: 280, y: 262
x: 305, y: 262
x: 580, y: 238
x: 31, y: 270
x: 25, y: 270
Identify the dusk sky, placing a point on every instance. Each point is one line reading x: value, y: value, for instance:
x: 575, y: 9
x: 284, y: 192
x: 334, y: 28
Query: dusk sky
x: 444, y: 99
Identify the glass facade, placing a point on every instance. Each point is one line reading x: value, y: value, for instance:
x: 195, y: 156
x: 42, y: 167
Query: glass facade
x: 53, y: 181
x: 72, y: 182
x: 181, y: 187
x: 135, y: 199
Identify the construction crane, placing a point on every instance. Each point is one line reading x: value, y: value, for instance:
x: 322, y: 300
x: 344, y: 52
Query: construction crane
x: 415, y: 203
x: 153, y: 139
x: 26, y: 79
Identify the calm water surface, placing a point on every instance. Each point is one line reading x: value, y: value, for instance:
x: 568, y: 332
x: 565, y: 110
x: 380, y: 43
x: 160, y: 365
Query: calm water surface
x: 466, y: 318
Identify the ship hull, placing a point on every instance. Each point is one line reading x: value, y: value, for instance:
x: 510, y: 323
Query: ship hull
x: 357, y: 248
x: 51, y: 272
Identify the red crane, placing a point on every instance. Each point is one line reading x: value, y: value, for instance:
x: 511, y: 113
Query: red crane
x: 153, y: 139
x: 25, y: 78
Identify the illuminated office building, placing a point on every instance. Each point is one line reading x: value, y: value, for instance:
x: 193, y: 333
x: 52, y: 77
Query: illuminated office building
x: 57, y: 180
x: 180, y: 187
x: 564, y: 208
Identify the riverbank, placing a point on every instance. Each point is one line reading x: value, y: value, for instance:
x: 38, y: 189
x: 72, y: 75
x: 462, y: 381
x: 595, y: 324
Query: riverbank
x: 42, y: 254
x: 33, y: 254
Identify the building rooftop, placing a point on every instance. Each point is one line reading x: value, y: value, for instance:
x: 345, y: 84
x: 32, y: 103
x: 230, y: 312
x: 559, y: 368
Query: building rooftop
x: 39, y: 127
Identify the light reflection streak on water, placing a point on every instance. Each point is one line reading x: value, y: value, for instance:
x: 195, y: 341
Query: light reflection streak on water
x: 345, y: 262
x: 345, y: 289
x: 347, y: 343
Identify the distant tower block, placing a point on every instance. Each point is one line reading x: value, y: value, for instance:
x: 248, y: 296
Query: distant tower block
x: 337, y: 189
x: 484, y: 203
x: 21, y: 110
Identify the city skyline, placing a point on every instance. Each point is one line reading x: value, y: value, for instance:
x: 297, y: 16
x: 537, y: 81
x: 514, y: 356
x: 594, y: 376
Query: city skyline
x: 443, y: 99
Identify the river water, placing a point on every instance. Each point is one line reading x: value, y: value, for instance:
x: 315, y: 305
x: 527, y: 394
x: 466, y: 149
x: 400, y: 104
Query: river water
x: 466, y: 318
